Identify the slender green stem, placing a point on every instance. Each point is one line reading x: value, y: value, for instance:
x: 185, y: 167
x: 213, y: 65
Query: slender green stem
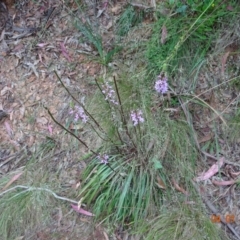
x: 140, y: 138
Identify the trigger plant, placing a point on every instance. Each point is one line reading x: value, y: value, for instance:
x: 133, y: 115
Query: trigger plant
x: 137, y: 117
x: 78, y: 113
x: 161, y: 85
x: 120, y: 180
x: 128, y: 192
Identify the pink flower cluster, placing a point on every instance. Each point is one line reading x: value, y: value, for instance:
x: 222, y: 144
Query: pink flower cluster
x: 161, y: 85
x: 103, y: 159
x: 137, y: 117
x: 78, y: 113
x: 109, y: 93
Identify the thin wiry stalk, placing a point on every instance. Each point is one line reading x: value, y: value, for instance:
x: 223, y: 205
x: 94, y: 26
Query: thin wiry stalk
x: 99, y: 134
x: 74, y: 135
x: 122, y: 113
x: 90, y: 115
x: 140, y: 139
x: 81, y: 141
x: 119, y: 100
x: 85, y: 111
x: 119, y: 136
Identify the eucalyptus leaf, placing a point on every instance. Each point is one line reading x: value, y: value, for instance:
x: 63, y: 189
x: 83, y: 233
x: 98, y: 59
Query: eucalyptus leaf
x: 182, y: 9
x: 157, y: 164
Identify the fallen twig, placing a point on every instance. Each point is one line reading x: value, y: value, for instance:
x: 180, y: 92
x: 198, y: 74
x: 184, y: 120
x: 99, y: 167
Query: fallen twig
x: 12, y: 157
x: 39, y: 189
x: 215, y: 158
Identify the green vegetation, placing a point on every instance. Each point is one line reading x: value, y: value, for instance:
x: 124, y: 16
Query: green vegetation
x: 182, y: 222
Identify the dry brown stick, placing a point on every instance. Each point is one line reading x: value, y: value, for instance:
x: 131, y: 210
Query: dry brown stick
x: 12, y: 157
x: 215, y: 158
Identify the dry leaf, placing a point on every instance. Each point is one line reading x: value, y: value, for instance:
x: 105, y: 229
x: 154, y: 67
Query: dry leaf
x: 160, y: 183
x: 18, y: 48
x: 31, y: 140
x: 177, y: 187
x: 116, y: 9
x: 59, y: 217
x: 81, y: 210
x: 105, y: 235
x: 205, y: 138
x: 41, y: 45
x: 8, y: 128
x: 234, y: 174
x: 5, y: 90
x: 13, y: 179
x: 109, y: 25
x: 21, y: 112
x: 77, y: 185
x: 84, y: 220
x: 224, y: 60
x: 64, y: 51
x: 50, y: 129
x: 100, y: 11
x: 150, y: 146
x: 212, y: 171
x: 16, y: 145
x: 32, y: 66
x: 42, y: 120
x: 224, y: 183
x: 164, y: 34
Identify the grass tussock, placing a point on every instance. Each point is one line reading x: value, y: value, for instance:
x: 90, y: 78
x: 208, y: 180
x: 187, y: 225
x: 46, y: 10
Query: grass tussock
x: 29, y: 200
x: 138, y: 156
x: 22, y: 210
x: 182, y: 223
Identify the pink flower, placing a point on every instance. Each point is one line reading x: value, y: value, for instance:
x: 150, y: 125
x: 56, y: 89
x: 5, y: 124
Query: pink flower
x: 78, y: 113
x: 109, y: 93
x: 103, y: 159
x: 137, y: 117
x: 161, y: 85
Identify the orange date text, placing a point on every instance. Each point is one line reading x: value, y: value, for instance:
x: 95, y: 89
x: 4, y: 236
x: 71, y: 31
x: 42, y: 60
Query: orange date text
x: 229, y: 218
